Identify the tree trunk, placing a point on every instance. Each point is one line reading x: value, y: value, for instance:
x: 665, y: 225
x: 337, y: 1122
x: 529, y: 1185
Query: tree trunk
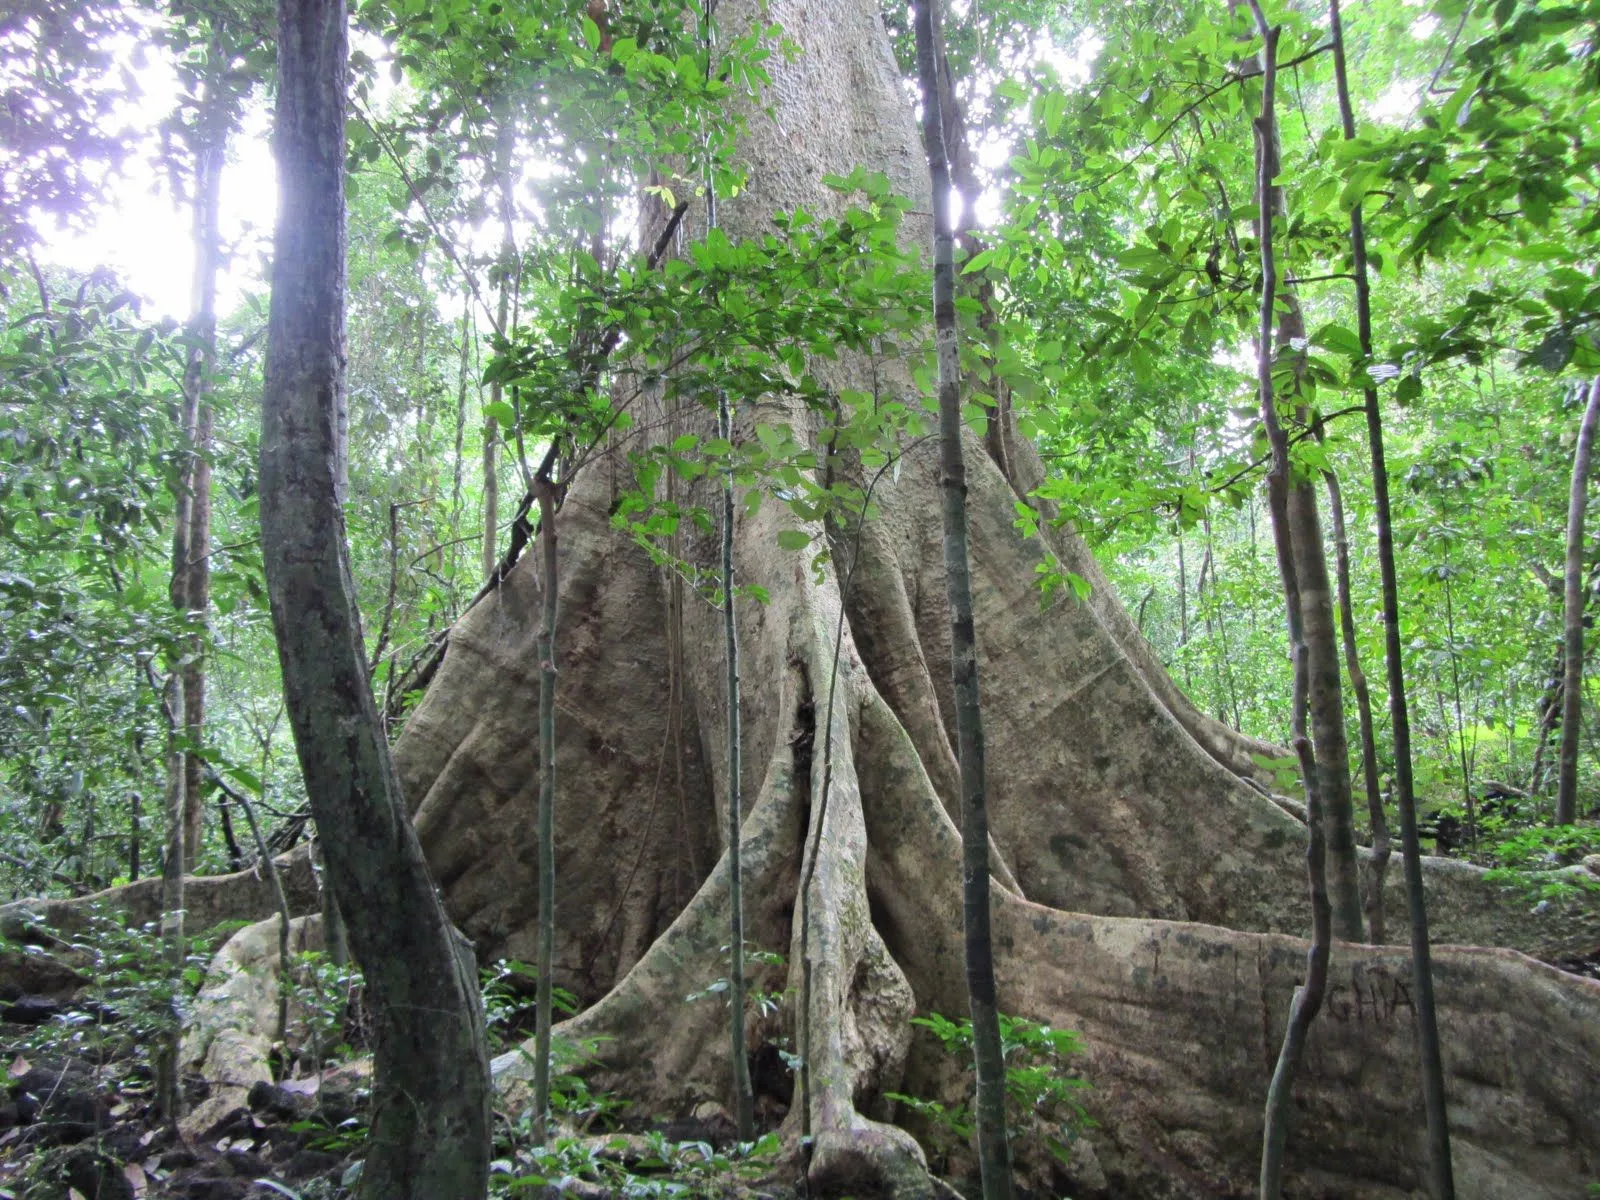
x: 994, y: 1157
x: 1109, y: 810
x: 1291, y: 543
x: 504, y: 148
x: 1378, y: 865
x: 1441, y: 1170
x: 545, y: 996
x: 169, y: 1088
x: 1325, y: 701
x: 210, y: 153
x: 420, y: 975
x: 1572, y: 688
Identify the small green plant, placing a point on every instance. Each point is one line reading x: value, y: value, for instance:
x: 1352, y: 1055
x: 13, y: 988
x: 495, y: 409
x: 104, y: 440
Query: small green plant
x: 766, y: 1004
x: 1041, y: 1092
x: 508, y: 1002
x: 1532, y: 859
x: 326, y: 999
x: 646, y: 1167
x: 130, y: 1002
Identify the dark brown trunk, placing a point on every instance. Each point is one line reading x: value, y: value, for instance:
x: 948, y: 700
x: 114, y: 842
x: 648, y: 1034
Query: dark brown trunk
x: 993, y: 1153
x: 1441, y: 1181
x: 420, y: 974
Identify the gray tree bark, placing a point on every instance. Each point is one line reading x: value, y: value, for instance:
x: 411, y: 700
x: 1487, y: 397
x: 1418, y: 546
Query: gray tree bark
x: 1572, y: 690
x: 420, y: 975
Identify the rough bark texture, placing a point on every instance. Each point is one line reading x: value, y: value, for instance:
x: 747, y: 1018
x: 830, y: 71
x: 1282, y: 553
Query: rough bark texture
x: 420, y: 976
x: 1572, y: 691
x: 208, y: 901
x: 1107, y: 796
x: 1377, y: 865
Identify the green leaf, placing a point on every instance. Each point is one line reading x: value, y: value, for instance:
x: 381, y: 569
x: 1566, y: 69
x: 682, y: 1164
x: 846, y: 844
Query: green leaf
x: 793, y: 539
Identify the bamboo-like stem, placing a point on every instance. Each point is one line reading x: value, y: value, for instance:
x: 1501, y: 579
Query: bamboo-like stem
x: 544, y: 996
x: 1440, y: 1176
x: 994, y: 1157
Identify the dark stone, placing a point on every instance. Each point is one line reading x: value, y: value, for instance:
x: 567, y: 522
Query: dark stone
x: 96, y: 1176
x: 215, y: 1187
x: 274, y: 1101
x: 246, y: 1164
x: 308, y: 1164
x: 236, y: 1122
x: 30, y: 1010
x: 178, y: 1158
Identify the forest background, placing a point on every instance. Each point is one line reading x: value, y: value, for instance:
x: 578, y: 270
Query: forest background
x: 498, y: 157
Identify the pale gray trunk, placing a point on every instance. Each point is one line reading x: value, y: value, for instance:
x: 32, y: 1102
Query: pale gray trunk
x: 1572, y: 689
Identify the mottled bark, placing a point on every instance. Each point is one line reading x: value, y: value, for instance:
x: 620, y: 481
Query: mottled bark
x: 420, y: 975
x: 1572, y: 687
x: 1377, y: 866
x: 1289, y: 539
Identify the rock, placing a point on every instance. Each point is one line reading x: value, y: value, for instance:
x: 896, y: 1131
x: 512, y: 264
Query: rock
x: 308, y: 1164
x: 1592, y: 862
x: 178, y: 1158
x: 279, y: 1102
x: 63, y: 1095
x: 236, y: 1122
x: 245, y: 1164
x: 96, y: 1176
x: 30, y: 1010
x: 214, y: 1187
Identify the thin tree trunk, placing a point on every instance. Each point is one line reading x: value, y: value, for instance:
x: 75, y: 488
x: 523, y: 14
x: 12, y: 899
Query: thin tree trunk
x: 504, y: 145
x: 1321, y: 691
x: 169, y: 1094
x: 1183, y: 612
x: 135, y: 832
x: 1369, y: 740
x: 1308, y: 998
x: 1441, y: 1180
x: 1572, y: 691
x: 994, y: 1157
x: 430, y: 1128
x: 544, y: 997
x: 744, y: 1100
x: 1467, y: 801
x: 210, y: 153
x: 264, y: 856
x: 457, y: 463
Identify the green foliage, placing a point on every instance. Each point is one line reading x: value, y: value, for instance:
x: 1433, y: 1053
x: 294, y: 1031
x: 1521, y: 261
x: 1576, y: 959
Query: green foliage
x: 1042, y: 1105
x: 131, y: 1003
x: 659, y: 1168
x: 1533, y: 859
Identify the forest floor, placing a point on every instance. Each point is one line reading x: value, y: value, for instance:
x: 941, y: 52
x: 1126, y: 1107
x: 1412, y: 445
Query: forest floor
x: 83, y: 1126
